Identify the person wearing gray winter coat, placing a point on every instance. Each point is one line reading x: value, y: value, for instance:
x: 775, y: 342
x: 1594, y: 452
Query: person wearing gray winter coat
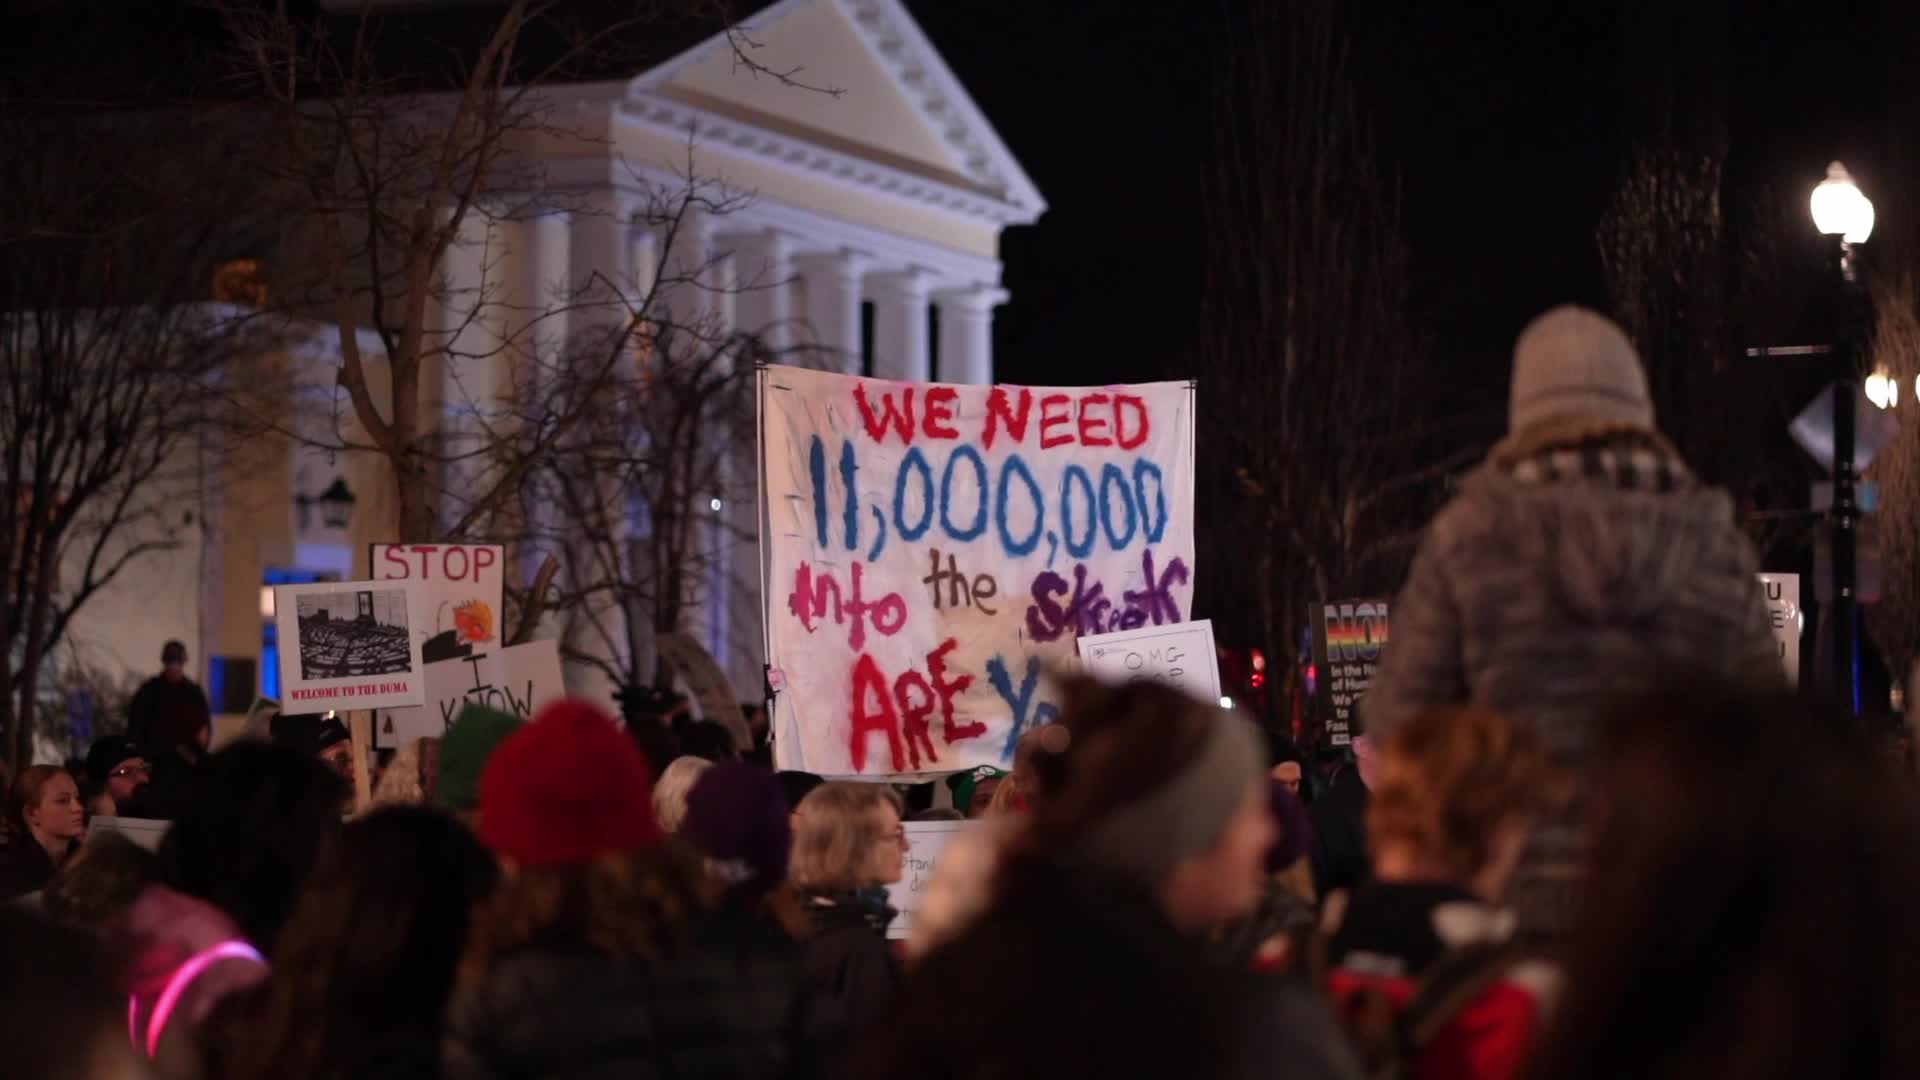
x: 1579, y: 563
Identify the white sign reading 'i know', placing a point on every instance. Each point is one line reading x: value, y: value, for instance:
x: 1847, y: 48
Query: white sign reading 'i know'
x: 1179, y: 654
x: 518, y: 680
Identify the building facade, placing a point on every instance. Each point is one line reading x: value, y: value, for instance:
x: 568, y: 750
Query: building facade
x: 849, y: 216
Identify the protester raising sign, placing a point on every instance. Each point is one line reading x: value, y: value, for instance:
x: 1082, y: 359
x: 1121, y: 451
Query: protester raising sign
x: 931, y: 549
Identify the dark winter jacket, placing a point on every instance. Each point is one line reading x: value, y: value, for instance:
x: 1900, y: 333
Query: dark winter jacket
x: 172, y: 786
x: 729, y: 1004
x: 25, y: 866
x: 1339, y: 816
x: 164, y: 712
x: 1559, y: 579
x: 851, y: 968
x: 1071, y: 972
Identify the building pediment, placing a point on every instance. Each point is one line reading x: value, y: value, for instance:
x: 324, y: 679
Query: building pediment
x: 866, y: 101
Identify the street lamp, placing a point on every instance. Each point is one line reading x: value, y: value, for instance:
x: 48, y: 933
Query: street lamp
x: 1840, y: 210
x: 335, y: 503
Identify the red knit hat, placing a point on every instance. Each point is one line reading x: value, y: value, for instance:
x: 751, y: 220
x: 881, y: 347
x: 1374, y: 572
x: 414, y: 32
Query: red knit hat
x: 567, y: 788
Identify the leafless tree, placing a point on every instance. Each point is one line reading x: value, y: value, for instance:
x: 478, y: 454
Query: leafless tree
x: 1312, y: 447
x: 636, y: 505
x: 115, y: 371
x: 1694, y: 280
x: 403, y: 137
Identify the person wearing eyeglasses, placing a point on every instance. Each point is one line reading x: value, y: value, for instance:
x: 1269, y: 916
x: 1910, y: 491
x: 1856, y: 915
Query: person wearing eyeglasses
x: 848, y: 846
x: 116, y: 774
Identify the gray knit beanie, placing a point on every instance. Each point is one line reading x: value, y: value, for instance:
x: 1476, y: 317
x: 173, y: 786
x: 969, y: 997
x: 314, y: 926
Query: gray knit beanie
x: 1575, y: 365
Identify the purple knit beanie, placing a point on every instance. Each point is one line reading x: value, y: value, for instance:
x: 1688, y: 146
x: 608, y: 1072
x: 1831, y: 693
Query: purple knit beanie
x: 1296, y: 832
x: 737, y: 818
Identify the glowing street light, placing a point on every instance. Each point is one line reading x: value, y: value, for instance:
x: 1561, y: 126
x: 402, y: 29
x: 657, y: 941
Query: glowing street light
x: 1840, y: 209
x: 1883, y: 389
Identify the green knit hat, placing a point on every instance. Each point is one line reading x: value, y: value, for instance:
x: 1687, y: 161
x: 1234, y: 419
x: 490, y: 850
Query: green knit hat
x: 962, y: 784
x: 464, y: 751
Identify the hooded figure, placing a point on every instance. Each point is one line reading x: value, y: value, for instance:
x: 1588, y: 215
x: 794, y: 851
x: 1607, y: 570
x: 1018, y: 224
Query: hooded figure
x: 1577, y: 564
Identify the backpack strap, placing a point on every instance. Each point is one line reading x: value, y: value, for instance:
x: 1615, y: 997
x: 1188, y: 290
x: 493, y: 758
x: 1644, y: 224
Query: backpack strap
x: 1453, y: 983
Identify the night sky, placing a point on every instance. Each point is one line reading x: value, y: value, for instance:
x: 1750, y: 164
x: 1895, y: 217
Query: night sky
x: 1510, y: 123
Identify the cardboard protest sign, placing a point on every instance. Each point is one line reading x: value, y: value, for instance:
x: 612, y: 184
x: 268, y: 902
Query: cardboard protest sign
x: 1783, y: 613
x: 348, y: 645
x: 463, y: 591
x: 925, y: 841
x: 932, y: 549
x: 146, y: 832
x: 1180, y: 655
x: 1348, y: 638
x: 515, y: 680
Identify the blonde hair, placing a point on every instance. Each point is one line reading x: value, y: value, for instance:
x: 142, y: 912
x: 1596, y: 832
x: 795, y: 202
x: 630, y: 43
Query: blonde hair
x: 400, y: 784
x: 834, y: 835
x: 671, y: 791
x: 1452, y: 776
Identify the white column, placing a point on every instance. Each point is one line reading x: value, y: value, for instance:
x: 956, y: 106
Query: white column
x: 762, y: 274
x: 901, y: 345
x: 601, y: 279
x: 535, y: 297
x: 685, y: 292
x: 966, y: 334
x: 833, y: 306
x: 763, y: 285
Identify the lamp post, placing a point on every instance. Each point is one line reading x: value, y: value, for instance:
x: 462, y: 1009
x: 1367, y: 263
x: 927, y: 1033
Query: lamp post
x: 1842, y: 212
x: 335, y: 505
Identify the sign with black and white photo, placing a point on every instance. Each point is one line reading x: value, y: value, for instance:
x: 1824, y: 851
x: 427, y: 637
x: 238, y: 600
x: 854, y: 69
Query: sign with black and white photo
x: 348, y: 645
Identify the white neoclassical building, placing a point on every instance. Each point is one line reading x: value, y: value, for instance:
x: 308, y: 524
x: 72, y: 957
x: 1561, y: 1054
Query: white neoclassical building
x: 863, y: 225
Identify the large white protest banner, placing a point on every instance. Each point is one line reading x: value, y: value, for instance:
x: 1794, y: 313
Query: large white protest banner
x: 925, y: 841
x: 348, y: 645
x: 463, y: 588
x: 516, y: 680
x: 1783, y: 613
x: 1180, y: 655
x: 931, y: 550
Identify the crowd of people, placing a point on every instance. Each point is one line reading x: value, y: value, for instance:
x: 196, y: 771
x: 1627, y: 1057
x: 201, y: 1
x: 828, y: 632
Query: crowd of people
x: 1587, y: 832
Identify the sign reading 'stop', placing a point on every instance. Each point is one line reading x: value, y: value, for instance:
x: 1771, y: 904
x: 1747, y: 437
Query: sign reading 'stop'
x: 932, y: 550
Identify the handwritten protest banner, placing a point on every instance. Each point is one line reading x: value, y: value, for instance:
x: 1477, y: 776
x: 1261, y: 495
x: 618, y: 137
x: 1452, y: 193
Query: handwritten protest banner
x: 348, y: 645
x: 463, y: 587
x: 1783, y: 613
x: 515, y: 680
x: 1180, y: 655
x: 932, y: 549
x: 925, y: 841
x: 1348, y: 639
